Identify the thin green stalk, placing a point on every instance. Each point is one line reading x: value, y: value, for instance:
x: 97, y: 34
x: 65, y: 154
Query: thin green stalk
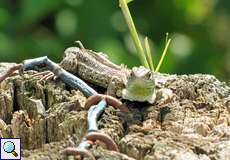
x: 127, y: 1
x: 166, y: 38
x: 148, y: 54
x: 163, y: 55
x: 133, y: 31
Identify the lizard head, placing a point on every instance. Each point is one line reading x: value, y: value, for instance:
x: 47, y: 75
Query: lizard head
x: 140, y: 85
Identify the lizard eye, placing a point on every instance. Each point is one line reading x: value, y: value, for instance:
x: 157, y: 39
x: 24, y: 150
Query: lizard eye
x: 131, y: 74
x: 149, y: 74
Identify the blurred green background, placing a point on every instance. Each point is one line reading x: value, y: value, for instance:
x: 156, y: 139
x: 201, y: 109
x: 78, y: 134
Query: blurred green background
x: 200, y: 31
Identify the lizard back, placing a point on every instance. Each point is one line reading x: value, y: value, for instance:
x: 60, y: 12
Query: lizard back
x: 92, y: 67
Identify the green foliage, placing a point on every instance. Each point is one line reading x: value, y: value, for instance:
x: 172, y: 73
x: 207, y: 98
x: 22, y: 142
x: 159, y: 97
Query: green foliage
x: 127, y: 1
x: 145, y: 56
x: 163, y: 55
x: 133, y: 32
x: 149, y: 54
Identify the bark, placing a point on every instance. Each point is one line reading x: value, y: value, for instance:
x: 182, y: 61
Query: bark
x: 189, y: 120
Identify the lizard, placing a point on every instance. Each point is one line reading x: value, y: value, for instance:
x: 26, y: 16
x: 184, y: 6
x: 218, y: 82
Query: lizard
x: 136, y: 84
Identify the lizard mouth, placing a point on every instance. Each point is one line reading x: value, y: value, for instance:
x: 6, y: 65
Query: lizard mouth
x: 139, y: 89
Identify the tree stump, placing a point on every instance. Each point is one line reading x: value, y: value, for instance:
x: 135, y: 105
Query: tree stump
x: 192, y: 122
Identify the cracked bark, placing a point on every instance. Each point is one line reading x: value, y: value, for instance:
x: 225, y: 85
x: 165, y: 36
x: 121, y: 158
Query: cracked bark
x: 193, y: 122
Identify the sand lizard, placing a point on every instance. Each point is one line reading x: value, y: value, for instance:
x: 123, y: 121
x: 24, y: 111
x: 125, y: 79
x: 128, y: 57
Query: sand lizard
x: 136, y: 84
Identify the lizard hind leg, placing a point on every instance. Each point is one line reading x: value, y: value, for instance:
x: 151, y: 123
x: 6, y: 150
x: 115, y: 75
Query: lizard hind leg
x: 46, y: 75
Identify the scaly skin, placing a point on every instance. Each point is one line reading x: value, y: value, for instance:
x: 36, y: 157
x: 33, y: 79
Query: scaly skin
x: 137, y: 84
x: 97, y: 69
x: 94, y: 68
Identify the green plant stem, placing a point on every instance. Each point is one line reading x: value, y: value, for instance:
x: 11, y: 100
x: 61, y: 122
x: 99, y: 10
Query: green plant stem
x: 163, y: 55
x: 166, y: 38
x: 148, y: 54
x: 133, y: 31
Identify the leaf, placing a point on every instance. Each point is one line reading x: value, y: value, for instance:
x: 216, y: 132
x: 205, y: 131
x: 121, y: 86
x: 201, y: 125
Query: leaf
x: 133, y: 32
x: 127, y: 1
x: 148, y: 53
x: 163, y: 55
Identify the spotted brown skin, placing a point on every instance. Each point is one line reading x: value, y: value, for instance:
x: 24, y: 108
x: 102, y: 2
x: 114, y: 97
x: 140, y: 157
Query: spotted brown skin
x: 97, y: 69
x: 134, y: 85
x: 92, y: 67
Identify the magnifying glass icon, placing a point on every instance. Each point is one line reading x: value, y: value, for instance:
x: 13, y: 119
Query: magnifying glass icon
x: 9, y: 147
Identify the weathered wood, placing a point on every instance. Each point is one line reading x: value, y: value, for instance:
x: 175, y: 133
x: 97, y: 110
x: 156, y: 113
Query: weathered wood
x: 190, y: 119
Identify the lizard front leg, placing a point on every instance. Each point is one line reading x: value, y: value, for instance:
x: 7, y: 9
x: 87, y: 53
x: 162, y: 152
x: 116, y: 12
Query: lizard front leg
x: 115, y: 87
